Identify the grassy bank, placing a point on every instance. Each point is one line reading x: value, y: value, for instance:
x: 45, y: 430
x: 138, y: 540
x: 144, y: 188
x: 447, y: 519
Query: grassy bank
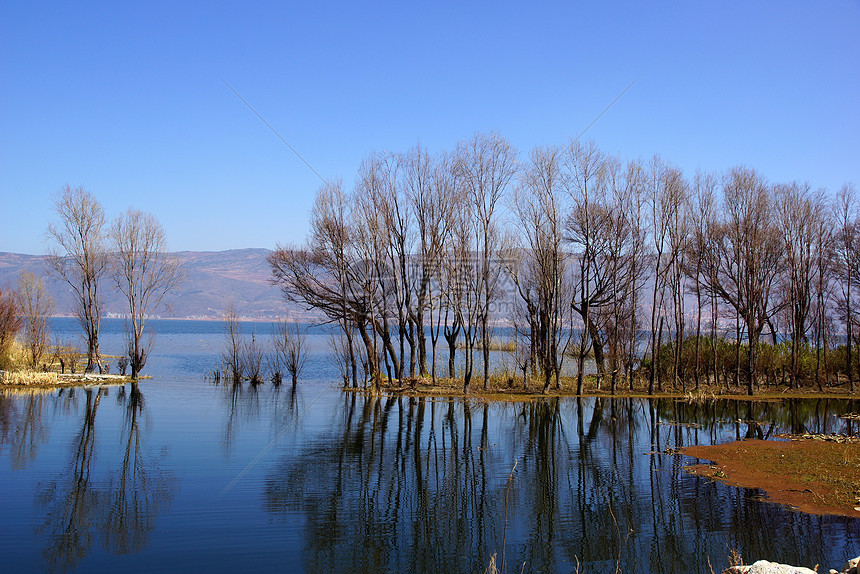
x: 507, y: 387
x: 38, y: 379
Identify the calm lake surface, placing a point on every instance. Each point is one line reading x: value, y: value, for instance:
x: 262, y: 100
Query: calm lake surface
x: 182, y: 474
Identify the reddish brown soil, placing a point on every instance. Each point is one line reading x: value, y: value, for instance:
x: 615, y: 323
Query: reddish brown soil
x: 814, y: 476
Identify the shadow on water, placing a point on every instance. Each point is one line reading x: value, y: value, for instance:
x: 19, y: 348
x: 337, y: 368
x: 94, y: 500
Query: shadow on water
x: 418, y: 484
x: 116, y: 510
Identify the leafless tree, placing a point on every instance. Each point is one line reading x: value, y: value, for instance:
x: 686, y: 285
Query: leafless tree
x: 589, y: 231
x: 623, y: 260
x: 10, y: 324
x: 633, y: 204
x: 35, y: 305
x: 798, y: 213
x: 486, y: 163
x: 430, y: 191
x: 845, y: 261
x: 253, y: 355
x: 384, y: 290
x: 824, y: 250
x: 144, y: 272
x: 81, y: 259
x: 330, y: 275
x: 702, y: 206
x: 666, y: 187
x: 463, y: 282
x: 679, y: 235
x: 435, y: 221
x: 342, y: 355
x: 538, y: 264
x: 747, y: 257
x: 290, y: 342
x: 233, y: 356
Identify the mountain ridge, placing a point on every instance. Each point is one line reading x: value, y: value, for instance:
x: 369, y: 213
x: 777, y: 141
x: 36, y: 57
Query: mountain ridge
x: 212, y: 279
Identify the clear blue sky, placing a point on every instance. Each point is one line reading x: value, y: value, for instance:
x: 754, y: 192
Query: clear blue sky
x: 130, y: 101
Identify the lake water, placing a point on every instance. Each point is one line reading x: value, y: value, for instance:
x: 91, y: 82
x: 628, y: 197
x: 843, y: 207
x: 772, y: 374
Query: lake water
x: 181, y: 474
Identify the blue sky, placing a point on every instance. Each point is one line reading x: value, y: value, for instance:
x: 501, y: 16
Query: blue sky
x: 130, y: 101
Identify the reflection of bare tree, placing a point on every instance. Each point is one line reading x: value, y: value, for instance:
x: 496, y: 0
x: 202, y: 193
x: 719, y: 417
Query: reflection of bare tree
x: 71, y: 503
x: 122, y: 509
x: 136, y: 494
x: 405, y: 489
x: 415, y: 484
x: 21, y: 425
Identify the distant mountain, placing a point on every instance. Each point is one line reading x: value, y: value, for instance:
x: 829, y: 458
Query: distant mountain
x: 212, y: 280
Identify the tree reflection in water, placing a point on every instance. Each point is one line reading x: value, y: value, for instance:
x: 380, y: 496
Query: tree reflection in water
x: 21, y: 424
x: 118, y: 510
x: 418, y: 484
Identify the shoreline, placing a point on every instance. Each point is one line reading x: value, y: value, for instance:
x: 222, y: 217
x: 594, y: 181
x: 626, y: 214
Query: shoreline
x: 814, y: 474
x: 51, y: 380
x: 453, y: 388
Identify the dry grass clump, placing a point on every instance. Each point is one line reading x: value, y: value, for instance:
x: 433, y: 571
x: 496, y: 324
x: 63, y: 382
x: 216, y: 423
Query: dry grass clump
x: 28, y: 378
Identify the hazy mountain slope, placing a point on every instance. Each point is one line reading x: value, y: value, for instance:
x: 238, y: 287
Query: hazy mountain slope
x: 212, y: 279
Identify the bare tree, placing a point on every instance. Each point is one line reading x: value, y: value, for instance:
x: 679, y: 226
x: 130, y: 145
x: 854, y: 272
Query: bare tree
x: 35, y: 305
x: 10, y: 324
x: 337, y: 273
x: 667, y: 187
x: 252, y: 358
x: 824, y: 249
x: 679, y: 234
x: 233, y: 354
x: 798, y: 213
x: 845, y: 260
x: 486, y: 164
x: 633, y: 203
x: 144, y: 273
x: 589, y: 232
x: 435, y: 223
x: 702, y: 207
x: 538, y: 265
x: 747, y: 257
x: 623, y: 261
x: 81, y: 259
x: 290, y: 344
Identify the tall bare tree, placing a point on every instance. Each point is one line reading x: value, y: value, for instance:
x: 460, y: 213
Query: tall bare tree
x: 10, y: 324
x: 666, y: 188
x: 432, y: 194
x: 35, y: 305
x: 825, y: 246
x: 798, y: 212
x: 634, y: 204
x: 486, y: 165
x: 589, y: 233
x: 80, y: 258
x: 321, y: 275
x: 703, y: 206
x: 845, y: 260
x: 539, y: 263
x: 144, y: 272
x: 747, y: 257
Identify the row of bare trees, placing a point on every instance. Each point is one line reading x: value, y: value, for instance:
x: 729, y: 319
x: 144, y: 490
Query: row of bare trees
x: 130, y: 251
x: 244, y: 358
x: 629, y: 263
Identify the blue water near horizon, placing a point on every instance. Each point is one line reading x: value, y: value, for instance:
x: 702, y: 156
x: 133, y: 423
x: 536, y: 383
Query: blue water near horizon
x: 178, y: 473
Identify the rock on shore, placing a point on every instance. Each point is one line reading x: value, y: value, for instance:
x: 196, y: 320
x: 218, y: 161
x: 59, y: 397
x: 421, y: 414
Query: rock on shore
x: 765, y: 567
